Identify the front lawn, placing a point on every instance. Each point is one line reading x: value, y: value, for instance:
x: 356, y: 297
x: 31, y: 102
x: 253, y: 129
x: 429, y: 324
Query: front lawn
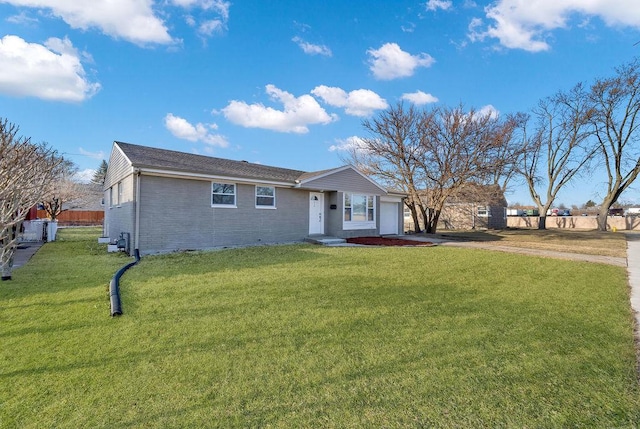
x: 310, y: 336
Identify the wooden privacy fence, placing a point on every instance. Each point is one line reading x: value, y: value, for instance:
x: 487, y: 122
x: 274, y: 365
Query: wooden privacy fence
x: 77, y: 217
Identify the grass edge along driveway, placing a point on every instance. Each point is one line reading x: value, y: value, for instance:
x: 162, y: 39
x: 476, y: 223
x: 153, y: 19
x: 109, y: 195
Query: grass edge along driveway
x: 311, y: 336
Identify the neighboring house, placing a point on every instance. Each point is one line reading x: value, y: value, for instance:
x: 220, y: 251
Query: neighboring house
x: 473, y: 207
x: 161, y: 200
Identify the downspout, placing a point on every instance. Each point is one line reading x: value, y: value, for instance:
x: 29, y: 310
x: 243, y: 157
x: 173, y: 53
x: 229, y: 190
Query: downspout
x: 136, y: 233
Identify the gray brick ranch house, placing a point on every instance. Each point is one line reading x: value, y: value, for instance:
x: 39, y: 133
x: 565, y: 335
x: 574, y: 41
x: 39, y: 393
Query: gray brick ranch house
x: 162, y: 200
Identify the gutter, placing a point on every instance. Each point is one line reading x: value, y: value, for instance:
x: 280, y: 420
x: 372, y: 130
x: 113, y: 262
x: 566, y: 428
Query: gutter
x: 136, y: 224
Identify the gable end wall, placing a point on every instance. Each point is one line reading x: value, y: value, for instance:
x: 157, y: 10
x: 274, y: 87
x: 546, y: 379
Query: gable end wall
x: 347, y: 180
x: 118, y: 168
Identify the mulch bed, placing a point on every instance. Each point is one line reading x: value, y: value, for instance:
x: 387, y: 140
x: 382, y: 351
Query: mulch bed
x: 382, y: 241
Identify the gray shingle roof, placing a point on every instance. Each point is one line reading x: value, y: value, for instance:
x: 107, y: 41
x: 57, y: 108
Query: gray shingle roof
x: 148, y: 157
x: 313, y: 174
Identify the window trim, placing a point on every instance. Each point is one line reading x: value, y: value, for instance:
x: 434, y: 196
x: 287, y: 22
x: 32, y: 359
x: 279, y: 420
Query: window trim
x: 263, y: 206
x: 367, y: 224
x: 483, y: 211
x: 120, y: 193
x: 235, y: 195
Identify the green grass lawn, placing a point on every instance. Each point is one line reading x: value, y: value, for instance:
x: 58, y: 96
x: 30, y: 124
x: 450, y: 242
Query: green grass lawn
x: 309, y: 336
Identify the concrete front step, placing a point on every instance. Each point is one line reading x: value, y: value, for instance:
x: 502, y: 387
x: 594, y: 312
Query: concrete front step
x: 324, y: 239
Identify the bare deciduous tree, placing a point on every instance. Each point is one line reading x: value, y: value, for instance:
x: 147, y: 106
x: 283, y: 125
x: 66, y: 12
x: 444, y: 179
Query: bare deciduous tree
x: 616, y: 102
x: 462, y: 147
x: 432, y: 154
x: 559, y: 149
x: 511, y: 154
x: 390, y: 152
x: 26, y: 172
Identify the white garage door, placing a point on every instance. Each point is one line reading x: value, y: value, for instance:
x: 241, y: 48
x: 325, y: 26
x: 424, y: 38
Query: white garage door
x: 388, y: 218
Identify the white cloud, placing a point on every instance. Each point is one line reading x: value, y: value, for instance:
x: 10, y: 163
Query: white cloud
x: 52, y: 71
x: 361, y: 102
x: 312, y: 49
x: 526, y: 24
x: 218, y: 6
x: 205, y: 24
x: 298, y: 113
x: 419, y: 98
x: 391, y: 62
x: 137, y: 21
x: 410, y: 28
x: 488, y: 110
x: 132, y: 20
x: 211, y: 27
x: 439, y: 4
x: 95, y: 155
x: 22, y: 19
x: 353, y: 143
x: 182, y: 129
x: 84, y: 176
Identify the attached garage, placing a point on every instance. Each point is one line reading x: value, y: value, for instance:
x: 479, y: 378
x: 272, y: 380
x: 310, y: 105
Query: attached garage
x: 390, y: 215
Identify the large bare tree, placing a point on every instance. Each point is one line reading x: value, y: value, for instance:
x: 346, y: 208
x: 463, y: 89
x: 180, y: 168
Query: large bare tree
x: 431, y: 154
x: 559, y: 148
x: 462, y: 147
x: 390, y: 151
x: 616, y: 102
x: 26, y: 172
x: 511, y: 154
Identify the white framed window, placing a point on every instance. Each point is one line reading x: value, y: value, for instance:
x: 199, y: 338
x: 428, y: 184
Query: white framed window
x: 483, y: 211
x: 265, y: 197
x: 111, y: 197
x: 359, y: 211
x: 223, y: 194
x: 120, y: 191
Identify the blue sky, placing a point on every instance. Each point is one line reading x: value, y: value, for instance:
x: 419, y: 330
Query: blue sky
x: 288, y: 83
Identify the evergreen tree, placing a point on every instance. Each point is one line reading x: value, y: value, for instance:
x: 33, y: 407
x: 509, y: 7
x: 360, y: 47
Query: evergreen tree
x: 100, y: 174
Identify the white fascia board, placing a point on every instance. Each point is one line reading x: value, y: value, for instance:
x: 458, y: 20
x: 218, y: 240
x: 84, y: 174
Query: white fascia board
x: 397, y: 194
x: 124, y: 155
x: 122, y: 152
x: 391, y: 198
x: 209, y: 177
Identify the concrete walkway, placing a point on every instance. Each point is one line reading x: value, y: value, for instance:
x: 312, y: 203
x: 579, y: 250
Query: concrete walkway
x: 24, y: 252
x: 610, y: 260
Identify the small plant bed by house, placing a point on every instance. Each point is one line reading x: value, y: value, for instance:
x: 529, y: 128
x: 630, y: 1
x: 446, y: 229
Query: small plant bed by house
x: 384, y: 241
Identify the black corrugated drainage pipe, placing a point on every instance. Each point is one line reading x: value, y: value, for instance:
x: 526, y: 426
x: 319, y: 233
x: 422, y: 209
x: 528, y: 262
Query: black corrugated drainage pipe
x: 114, y: 286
